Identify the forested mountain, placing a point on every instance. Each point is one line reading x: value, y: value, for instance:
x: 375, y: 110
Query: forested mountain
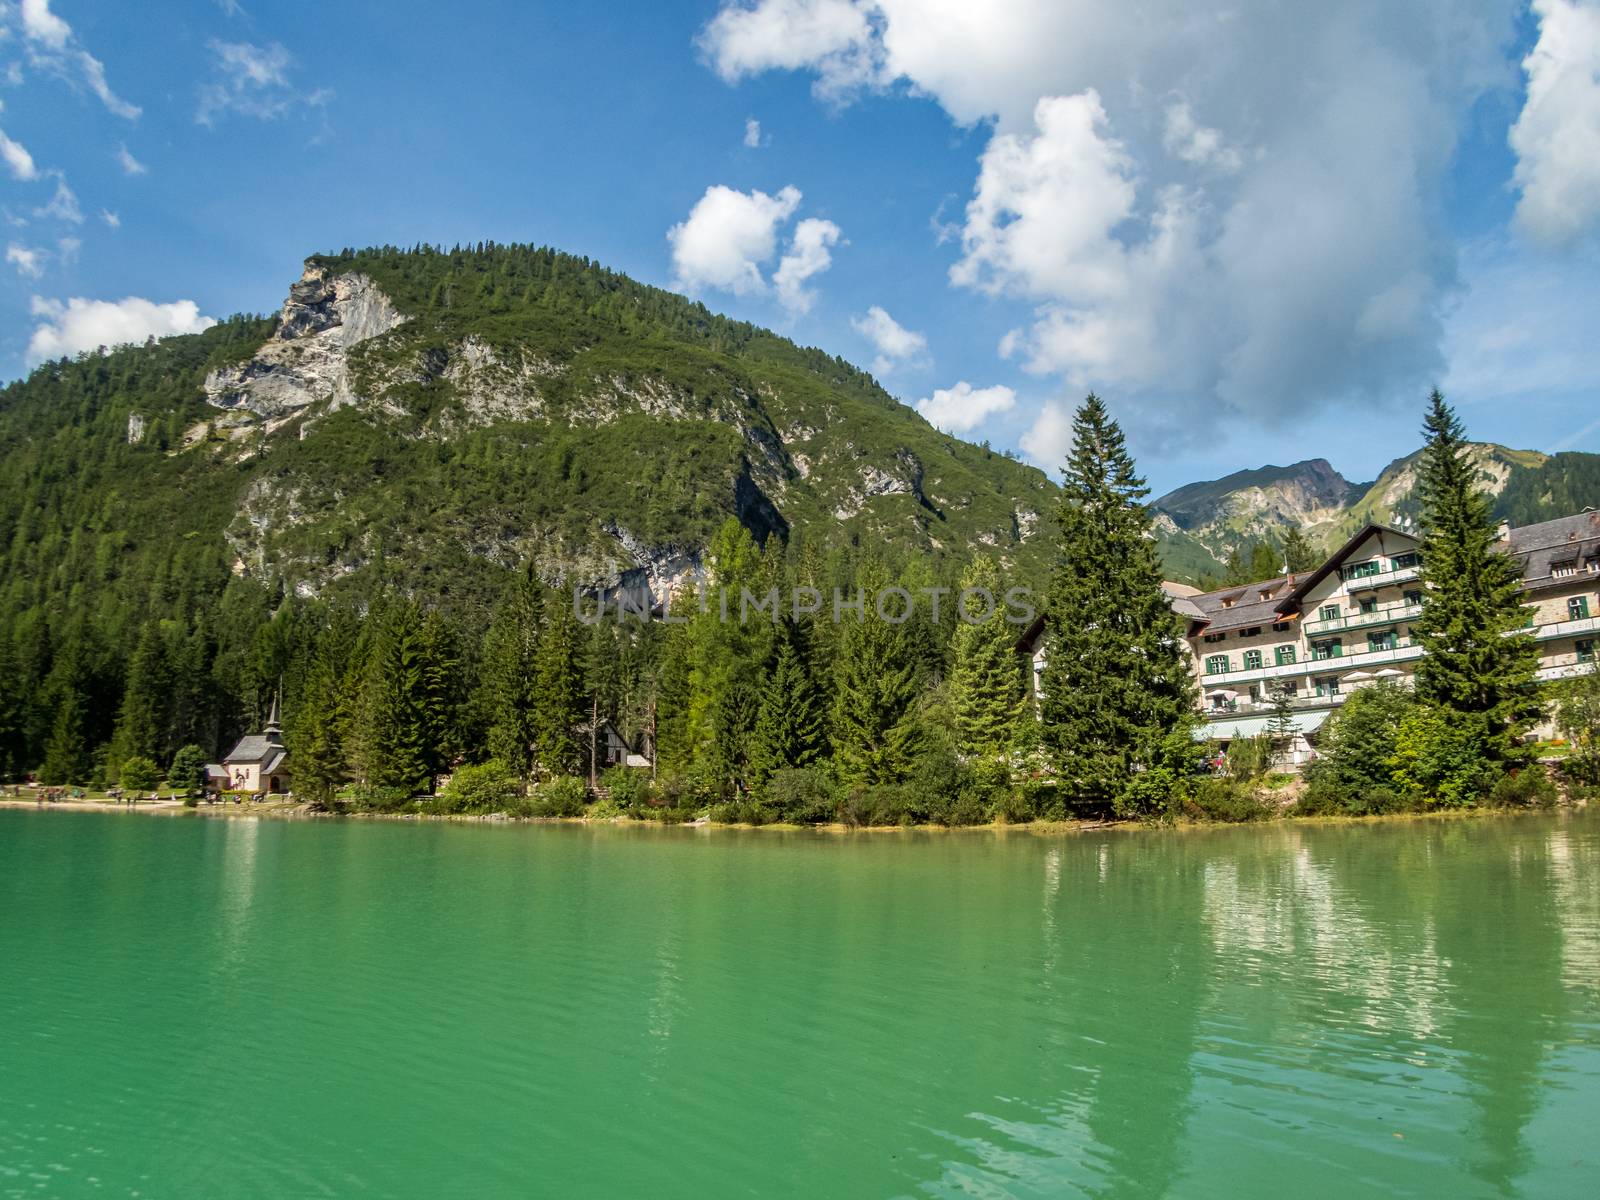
x: 424, y: 425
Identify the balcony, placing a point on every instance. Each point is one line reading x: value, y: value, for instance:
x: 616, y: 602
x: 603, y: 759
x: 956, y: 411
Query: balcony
x: 1569, y: 670
x: 1365, y: 583
x: 1385, y: 614
x: 1258, y: 708
x: 1405, y: 650
x: 1561, y: 629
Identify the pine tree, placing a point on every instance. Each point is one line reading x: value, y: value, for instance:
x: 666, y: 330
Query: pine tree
x: 1117, y: 699
x: 318, y: 730
x: 142, y: 719
x: 986, y: 671
x: 1477, y: 664
x: 510, y: 675
x: 791, y: 723
x: 393, y: 751
x: 11, y: 712
x: 875, y: 730
x: 1298, y: 553
x: 66, y: 754
x: 558, y: 707
x: 442, y: 688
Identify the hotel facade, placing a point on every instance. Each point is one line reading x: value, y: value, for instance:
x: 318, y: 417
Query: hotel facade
x: 1323, y: 634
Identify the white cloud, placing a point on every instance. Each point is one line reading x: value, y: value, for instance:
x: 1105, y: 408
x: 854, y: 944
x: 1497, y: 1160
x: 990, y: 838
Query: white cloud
x: 728, y: 237
x: 831, y: 36
x: 67, y: 249
x: 111, y: 218
x: 1557, y: 137
x: 752, y: 133
x: 963, y: 408
x: 29, y: 261
x: 1231, y: 205
x: 129, y: 164
x: 253, y: 81
x: 18, y: 161
x: 808, y: 255
x: 896, y: 345
x: 62, y: 206
x: 1194, y: 143
x: 1049, y: 438
x: 53, y: 47
x: 76, y: 325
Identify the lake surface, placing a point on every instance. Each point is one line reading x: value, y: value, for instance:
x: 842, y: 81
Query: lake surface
x: 195, y: 1006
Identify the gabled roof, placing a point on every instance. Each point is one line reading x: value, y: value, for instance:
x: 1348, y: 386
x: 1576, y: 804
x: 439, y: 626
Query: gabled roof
x: 1540, y: 547
x: 1337, y: 559
x: 1237, y: 607
x: 255, y: 748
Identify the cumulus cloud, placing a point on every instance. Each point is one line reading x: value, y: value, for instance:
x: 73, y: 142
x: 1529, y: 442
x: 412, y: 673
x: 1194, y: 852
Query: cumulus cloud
x: 1557, y: 136
x: 129, y: 164
x: 808, y: 255
x: 731, y: 235
x: 252, y: 81
x: 896, y: 345
x: 72, y: 326
x: 28, y: 260
x: 1239, y: 206
x: 752, y: 133
x: 963, y: 408
x: 1049, y: 438
x: 17, y: 159
x: 52, y: 46
x: 832, y: 37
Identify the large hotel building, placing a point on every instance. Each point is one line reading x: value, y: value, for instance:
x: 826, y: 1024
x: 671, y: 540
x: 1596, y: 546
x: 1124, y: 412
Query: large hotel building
x: 1322, y: 634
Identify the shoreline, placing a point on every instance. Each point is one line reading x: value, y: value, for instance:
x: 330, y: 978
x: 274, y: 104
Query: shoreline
x: 299, y: 812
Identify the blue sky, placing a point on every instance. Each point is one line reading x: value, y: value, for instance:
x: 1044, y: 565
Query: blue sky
x: 1262, y: 231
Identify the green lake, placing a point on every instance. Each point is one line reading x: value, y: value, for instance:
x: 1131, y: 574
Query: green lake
x: 205, y: 1007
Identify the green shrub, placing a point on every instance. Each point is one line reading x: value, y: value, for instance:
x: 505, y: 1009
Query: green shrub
x: 367, y: 797
x: 1213, y: 798
x: 1530, y: 787
x: 606, y: 810
x: 1439, y: 759
x: 740, y: 812
x: 188, y: 770
x: 803, y: 795
x: 565, y: 796
x: 139, y: 774
x: 479, y: 788
x: 628, y: 787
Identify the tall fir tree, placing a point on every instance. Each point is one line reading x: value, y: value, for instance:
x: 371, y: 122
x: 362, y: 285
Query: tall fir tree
x: 142, y: 722
x: 394, y: 727
x: 559, y: 707
x: 511, y: 675
x: 986, y: 672
x: 1118, y: 699
x: 12, y: 700
x: 319, y: 728
x: 66, y: 753
x: 1299, y: 555
x: 876, y: 734
x: 791, y: 723
x: 1477, y: 663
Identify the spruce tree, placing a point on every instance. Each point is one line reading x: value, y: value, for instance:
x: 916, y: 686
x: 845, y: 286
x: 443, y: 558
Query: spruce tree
x: 318, y: 730
x: 876, y: 733
x: 11, y: 712
x: 1299, y: 555
x: 791, y: 724
x: 558, y: 707
x: 510, y: 675
x: 1118, y: 700
x: 142, y: 718
x: 394, y: 730
x: 986, y: 672
x: 66, y: 754
x: 1478, y: 664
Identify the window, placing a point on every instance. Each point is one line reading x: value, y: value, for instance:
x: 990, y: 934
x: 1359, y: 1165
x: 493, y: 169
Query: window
x: 1369, y: 605
x: 1285, y: 655
x: 1382, y: 640
x: 1282, y: 626
x: 1564, y: 568
x: 1325, y: 650
x: 1266, y: 593
x: 1217, y: 664
x: 1373, y: 566
x: 1585, y: 650
x: 1253, y: 631
x: 1228, y: 603
x: 1407, y: 560
x: 1577, y: 608
x: 1414, y: 597
x: 1216, y: 637
x: 1592, y: 564
x: 1327, y: 685
x: 1328, y: 612
x: 1252, y: 660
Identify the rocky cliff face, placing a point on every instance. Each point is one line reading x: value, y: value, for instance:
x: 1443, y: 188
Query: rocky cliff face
x: 308, y: 358
x: 1248, y: 505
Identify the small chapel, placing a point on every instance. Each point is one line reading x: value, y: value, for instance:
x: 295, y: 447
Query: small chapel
x: 257, y: 764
